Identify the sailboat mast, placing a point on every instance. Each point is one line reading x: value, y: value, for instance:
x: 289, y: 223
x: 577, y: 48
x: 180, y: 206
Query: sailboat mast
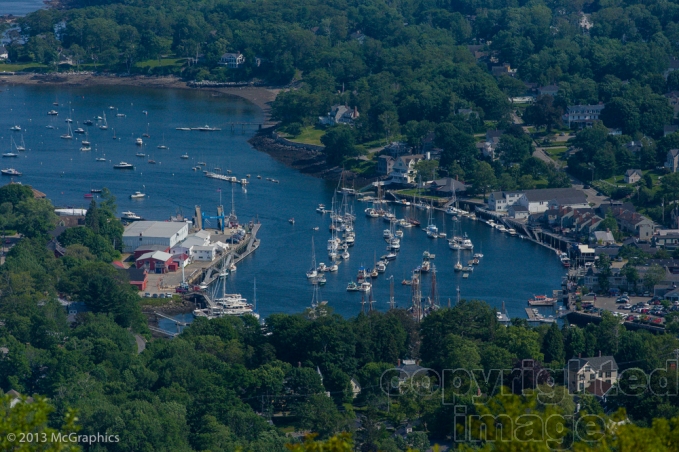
x: 391, y: 292
x: 254, y: 296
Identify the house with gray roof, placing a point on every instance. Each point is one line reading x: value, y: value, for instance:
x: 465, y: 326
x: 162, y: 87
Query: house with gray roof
x: 585, y: 372
x: 632, y: 176
x: 672, y: 161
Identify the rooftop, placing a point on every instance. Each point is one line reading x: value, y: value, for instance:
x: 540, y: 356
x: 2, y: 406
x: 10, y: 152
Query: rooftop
x: 154, y: 229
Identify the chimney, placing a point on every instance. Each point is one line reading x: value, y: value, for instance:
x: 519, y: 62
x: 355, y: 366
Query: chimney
x: 399, y: 363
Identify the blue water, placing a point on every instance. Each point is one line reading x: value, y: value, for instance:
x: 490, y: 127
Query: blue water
x: 512, y: 269
x: 19, y: 7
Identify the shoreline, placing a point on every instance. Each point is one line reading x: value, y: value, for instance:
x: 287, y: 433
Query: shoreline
x: 305, y: 161
x: 259, y: 96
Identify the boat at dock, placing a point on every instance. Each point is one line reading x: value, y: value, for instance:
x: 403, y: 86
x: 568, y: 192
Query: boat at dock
x: 130, y: 216
x: 205, y: 128
x: 542, y: 300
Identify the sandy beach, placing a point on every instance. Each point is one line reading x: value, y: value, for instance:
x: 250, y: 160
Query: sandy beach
x: 260, y: 96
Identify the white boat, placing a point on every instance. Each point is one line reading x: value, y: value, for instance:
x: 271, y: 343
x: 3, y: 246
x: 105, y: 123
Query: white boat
x: 139, y: 142
x: 137, y: 195
x: 184, y: 156
x: 500, y: 228
x: 186, y: 129
x: 100, y: 159
x: 365, y: 286
x: 69, y: 134
x: 206, y: 128
x: 162, y: 146
x: 131, y: 216
x: 15, y: 128
x: 85, y: 148
x: 123, y: 165
x: 79, y: 130
x: 10, y: 172
x: 85, y: 142
x: 140, y: 154
x: 511, y: 231
x: 458, y: 267
x: 345, y: 255
x: 52, y: 112
x: 372, y: 213
x: 104, y: 126
x: 387, y: 234
x: 19, y: 147
x: 10, y: 154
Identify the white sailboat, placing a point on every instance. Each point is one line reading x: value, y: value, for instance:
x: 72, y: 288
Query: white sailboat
x: 104, y: 126
x: 162, y: 146
x: 22, y: 146
x: 458, y: 267
x: 69, y: 134
x: 313, y: 272
x: 431, y: 229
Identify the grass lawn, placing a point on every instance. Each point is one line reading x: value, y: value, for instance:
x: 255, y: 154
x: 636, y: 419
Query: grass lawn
x: 163, y: 62
x: 365, y: 168
x: 419, y: 192
x: 556, y: 152
x: 309, y: 135
x: 20, y: 67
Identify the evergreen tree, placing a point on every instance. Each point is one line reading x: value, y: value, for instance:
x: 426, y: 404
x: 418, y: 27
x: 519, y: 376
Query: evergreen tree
x: 552, y: 345
x: 92, y: 217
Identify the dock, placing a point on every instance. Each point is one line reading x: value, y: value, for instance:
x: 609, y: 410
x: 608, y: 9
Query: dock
x: 531, y: 315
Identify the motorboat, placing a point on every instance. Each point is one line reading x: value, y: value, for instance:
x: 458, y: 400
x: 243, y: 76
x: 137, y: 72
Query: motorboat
x: 432, y: 231
x: 100, y: 159
x: 365, y: 286
x: 186, y: 129
x: 542, y: 300
x: 140, y: 154
x: 353, y: 287
x: 139, y: 142
x: 123, y: 165
x: 206, y: 128
x: 96, y: 190
x: 389, y: 257
x: 184, y: 156
x: 130, y: 216
x: 318, y: 280
x: 10, y: 172
x: 15, y: 128
x: 319, y: 209
x: 381, y: 267
x: 372, y: 213
x: 88, y: 122
x: 10, y: 154
x: 85, y: 148
x: 478, y: 256
x: 68, y: 120
x: 387, y: 234
x: 137, y: 195
x: 79, y: 130
x: 52, y: 112
x: 345, y: 255
x: 201, y: 163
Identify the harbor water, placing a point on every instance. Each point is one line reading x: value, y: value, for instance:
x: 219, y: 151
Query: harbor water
x: 19, y: 7
x: 512, y: 270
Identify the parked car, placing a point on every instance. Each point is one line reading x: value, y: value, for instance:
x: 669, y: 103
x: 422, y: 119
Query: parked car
x: 162, y: 295
x: 629, y: 318
x: 155, y: 295
x: 627, y: 306
x: 147, y: 295
x: 646, y: 294
x: 168, y: 295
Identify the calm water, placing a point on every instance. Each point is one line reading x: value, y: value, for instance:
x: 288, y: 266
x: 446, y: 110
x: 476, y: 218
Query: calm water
x: 19, y: 7
x: 512, y: 270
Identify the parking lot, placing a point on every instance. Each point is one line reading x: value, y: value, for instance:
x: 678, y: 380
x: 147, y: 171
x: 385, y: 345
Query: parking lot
x: 648, y: 310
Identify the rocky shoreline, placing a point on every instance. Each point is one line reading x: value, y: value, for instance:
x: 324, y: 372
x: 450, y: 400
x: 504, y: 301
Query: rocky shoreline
x: 305, y: 161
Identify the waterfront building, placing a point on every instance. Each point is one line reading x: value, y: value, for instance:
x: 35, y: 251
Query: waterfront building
x: 168, y: 233
x: 403, y: 172
x: 384, y: 164
x: 538, y: 201
x: 667, y: 239
x: 599, y: 373
x: 156, y: 262
x: 232, y: 60
x: 633, y: 222
x: 204, y: 253
x: 139, y: 277
x: 339, y: 114
x: 143, y: 249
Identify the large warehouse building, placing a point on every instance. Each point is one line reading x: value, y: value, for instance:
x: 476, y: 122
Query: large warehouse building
x: 167, y: 233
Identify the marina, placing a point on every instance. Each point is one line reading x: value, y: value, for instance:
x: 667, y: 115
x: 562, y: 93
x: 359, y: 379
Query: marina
x: 273, y: 196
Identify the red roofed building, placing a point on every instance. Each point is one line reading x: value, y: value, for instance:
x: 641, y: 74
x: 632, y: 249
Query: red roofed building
x: 139, y: 277
x: 156, y: 262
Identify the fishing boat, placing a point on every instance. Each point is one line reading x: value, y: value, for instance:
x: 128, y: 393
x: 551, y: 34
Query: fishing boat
x: 352, y: 287
x: 130, y: 216
x: 542, y: 300
x: 123, y: 165
x: 137, y: 195
x: 10, y: 172
x: 565, y: 261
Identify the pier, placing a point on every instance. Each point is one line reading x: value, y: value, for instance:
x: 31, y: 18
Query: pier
x: 531, y: 315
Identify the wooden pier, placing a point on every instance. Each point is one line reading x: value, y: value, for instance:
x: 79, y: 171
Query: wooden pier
x: 531, y: 315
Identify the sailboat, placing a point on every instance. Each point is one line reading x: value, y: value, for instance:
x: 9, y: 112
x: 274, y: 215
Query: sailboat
x: 313, y: 272
x: 432, y: 230
x: 69, y: 134
x: 85, y: 142
x: 21, y: 147
x: 104, y: 126
x: 114, y: 134
x: 162, y: 146
x: 146, y: 135
x: 458, y: 267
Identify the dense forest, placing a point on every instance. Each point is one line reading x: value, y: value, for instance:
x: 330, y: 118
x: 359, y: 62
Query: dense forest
x: 231, y: 383
x: 406, y: 66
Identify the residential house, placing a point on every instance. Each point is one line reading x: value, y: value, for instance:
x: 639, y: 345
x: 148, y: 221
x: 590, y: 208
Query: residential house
x: 488, y: 146
x: 673, y: 100
x: 602, y: 237
x: 55, y: 247
x: 357, y: 36
x: 395, y: 149
x: 74, y: 308
x: 403, y: 171
x: 467, y: 112
x: 614, y: 132
x: 505, y: 69
x: 477, y: 51
x: 672, y: 162
x: 156, y: 262
x: 499, y: 201
x: 3, y: 53
x: 447, y: 187
x: 518, y: 212
x: 139, y: 277
x: 671, y: 67
x: 339, y: 114
x: 667, y: 239
x: 632, y: 176
x: 633, y: 223
x: 232, y: 60
x: 634, y: 146
x: 549, y: 90
x: 384, y: 164
x: 582, y: 115
x: 408, y: 368
x: 672, y: 265
x: 669, y: 129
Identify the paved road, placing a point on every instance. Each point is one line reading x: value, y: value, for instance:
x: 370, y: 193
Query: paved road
x: 141, y: 343
x: 591, y: 193
x: 542, y: 155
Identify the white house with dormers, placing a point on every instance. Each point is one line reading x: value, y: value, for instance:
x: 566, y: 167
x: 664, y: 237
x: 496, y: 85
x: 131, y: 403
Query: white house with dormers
x: 672, y: 162
x: 339, y: 114
x: 537, y: 201
x: 403, y: 171
x: 583, y: 114
x: 232, y: 60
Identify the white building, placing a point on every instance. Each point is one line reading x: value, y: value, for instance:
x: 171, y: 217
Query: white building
x: 339, y: 114
x: 167, y: 233
x: 582, y: 114
x: 538, y: 201
x: 403, y: 171
x: 672, y: 162
x: 3, y: 53
x: 595, y: 375
x: 204, y: 252
x: 232, y: 60
x: 186, y: 245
